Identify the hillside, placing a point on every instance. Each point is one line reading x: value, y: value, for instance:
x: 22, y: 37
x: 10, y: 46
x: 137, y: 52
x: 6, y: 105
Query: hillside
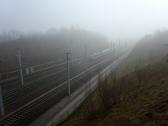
x: 149, y: 50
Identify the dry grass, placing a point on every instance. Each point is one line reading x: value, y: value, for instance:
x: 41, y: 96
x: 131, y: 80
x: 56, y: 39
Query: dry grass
x: 137, y: 99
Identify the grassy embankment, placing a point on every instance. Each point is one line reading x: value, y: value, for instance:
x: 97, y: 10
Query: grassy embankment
x: 139, y: 98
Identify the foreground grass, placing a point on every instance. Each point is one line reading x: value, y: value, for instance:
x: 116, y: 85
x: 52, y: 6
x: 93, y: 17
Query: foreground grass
x: 137, y: 99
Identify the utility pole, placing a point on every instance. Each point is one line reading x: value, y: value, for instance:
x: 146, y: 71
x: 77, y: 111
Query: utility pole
x: 68, y: 73
x: 85, y: 51
x: 0, y: 69
x: 2, y: 110
x: 114, y: 49
x: 111, y: 44
x: 19, y: 56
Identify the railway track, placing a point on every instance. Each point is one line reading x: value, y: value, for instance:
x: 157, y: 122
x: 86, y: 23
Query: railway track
x: 37, y: 101
x: 27, y: 113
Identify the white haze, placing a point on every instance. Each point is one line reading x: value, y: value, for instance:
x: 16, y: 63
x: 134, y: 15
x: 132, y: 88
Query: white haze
x: 117, y: 19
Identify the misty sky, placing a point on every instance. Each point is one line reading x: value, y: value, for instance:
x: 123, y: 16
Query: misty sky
x: 114, y: 18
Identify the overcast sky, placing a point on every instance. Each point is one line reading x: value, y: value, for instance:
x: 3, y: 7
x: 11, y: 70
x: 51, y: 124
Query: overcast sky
x: 114, y: 18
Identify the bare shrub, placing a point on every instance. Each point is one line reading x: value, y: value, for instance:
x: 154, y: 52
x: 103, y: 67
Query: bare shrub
x: 139, y: 75
x: 103, y: 98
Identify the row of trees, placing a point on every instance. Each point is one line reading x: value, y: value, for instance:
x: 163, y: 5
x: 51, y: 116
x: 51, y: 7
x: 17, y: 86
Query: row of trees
x: 50, y: 46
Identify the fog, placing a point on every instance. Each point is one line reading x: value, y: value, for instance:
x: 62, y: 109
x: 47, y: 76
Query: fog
x: 117, y: 19
x: 105, y: 55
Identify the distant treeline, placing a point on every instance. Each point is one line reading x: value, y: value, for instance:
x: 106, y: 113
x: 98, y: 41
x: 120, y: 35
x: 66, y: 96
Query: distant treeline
x: 50, y: 46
